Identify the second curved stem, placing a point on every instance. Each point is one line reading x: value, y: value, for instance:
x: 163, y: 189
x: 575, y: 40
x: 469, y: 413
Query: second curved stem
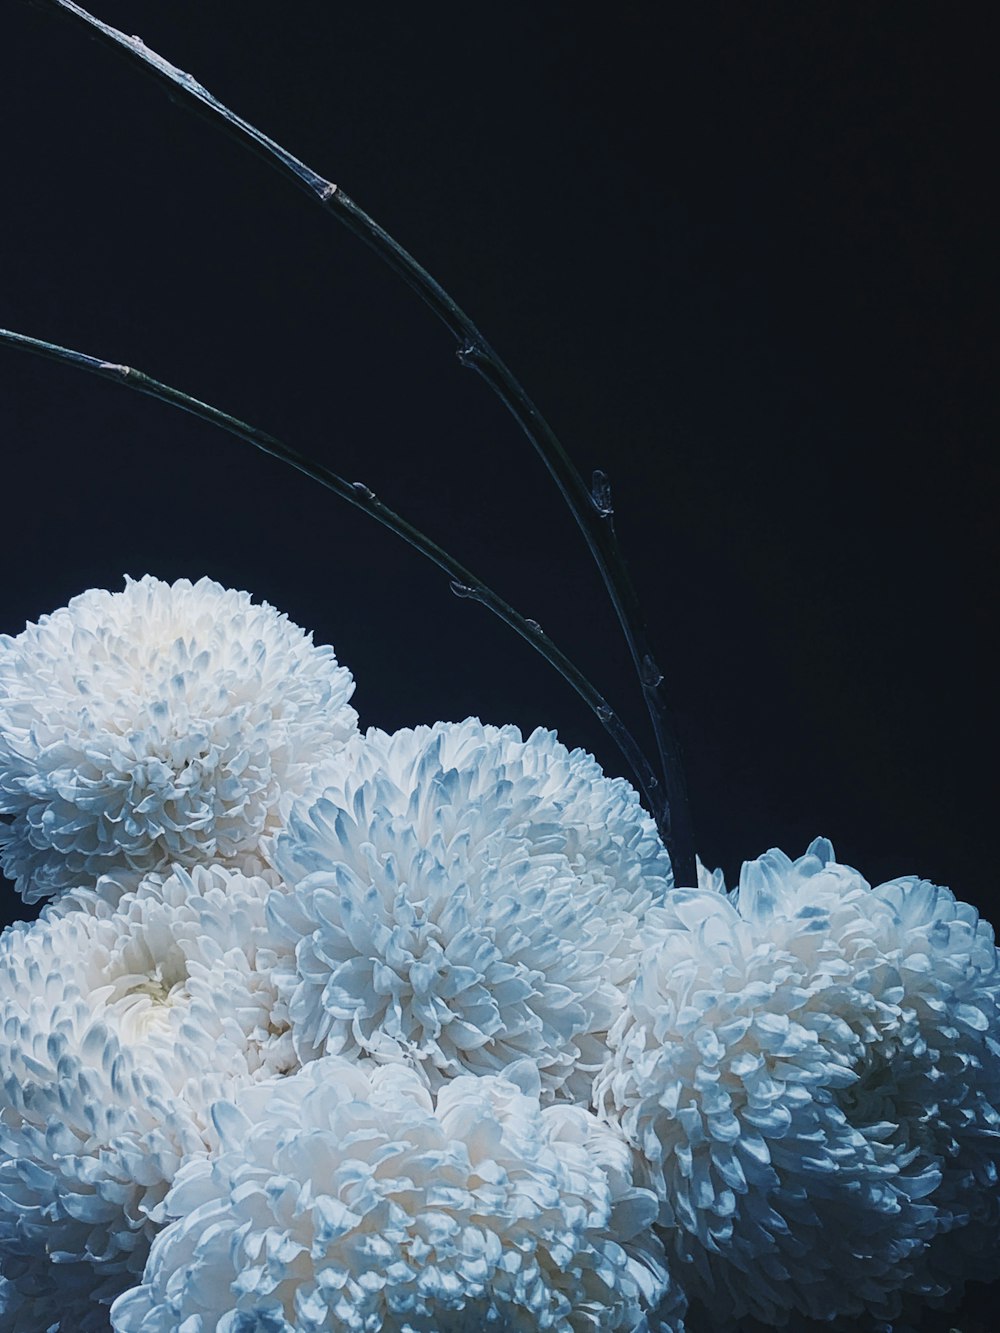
x: 463, y: 582
x: 667, y: 797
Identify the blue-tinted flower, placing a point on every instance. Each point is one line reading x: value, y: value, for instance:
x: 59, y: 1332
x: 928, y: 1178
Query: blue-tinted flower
x: 808, y: 1070
x: 119, y: 1029
x: 461, y: 898
x: 348, y: 1200
x: 162, y: 724
x: 45, y: 1297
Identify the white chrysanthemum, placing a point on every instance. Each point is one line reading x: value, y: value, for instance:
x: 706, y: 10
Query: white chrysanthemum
x: 462, y: 898
x: 803, y: 1068
x: 159, y: 725
x: 344, y: 1202
x: 118, y: 1029
x: 937, y: 1070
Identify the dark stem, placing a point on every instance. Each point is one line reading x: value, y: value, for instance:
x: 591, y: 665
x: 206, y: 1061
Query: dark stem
x: 463, y: 582
x: 669, y: 802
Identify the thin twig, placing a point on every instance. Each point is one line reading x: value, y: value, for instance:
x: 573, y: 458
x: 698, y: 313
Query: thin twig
x: 463, y: 582
x: 592, y: 511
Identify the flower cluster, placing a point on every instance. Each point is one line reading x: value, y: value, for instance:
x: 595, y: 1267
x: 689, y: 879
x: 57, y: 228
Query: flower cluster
x: 331, y: 1032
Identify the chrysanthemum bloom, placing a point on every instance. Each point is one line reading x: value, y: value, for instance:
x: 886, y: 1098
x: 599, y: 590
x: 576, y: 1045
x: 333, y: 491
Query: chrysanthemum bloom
x: 938, y: 1070
x: 118, y: 1029
x: 803, y: 1068
x: 462, y: 898
x: 344, y: 1202
x: 158, y: 725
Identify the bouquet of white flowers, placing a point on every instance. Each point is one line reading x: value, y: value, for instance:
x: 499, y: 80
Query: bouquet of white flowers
x: 330, y: 1030
x: 325, y: 1030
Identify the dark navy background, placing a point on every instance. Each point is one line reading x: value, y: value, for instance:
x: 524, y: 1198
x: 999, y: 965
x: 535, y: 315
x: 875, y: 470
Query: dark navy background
x: 740, y: 255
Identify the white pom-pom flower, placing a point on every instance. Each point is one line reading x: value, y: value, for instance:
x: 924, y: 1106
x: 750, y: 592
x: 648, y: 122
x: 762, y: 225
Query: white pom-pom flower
x: 348, y: 1202
x: 158, y: 725
x: 936, y: 1073
x: 118, y: 1029
x: 803, y: 1068
x: 462, y: 898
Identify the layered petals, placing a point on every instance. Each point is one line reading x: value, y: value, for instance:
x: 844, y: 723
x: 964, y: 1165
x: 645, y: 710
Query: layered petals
x: 807, y: 1070
x: 461, y: 898
x: 352, y: 1202
x: 118, y: 1030
x: 163, y: 724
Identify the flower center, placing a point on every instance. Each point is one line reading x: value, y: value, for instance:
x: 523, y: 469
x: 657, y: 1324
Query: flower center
x: 144, y: 1009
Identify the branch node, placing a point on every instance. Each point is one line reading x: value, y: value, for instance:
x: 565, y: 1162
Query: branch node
x: 462, y: 589
x: 600, y: 493
x: 112, y: 368
x: 533, y: 624
x: 469, y: 353
x: 651, y: 673
x: 362, y: 491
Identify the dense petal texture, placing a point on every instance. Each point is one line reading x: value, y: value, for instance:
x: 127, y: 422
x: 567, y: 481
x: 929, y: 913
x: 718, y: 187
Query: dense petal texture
x: 54, y: 1298
x: 329, y: 1033
x: 808, y: 1070
x: 118, y: 1029
x: 461, y: 898
x: 162, y: 724
x: 349, y: 1201
x: 939, y: 1076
